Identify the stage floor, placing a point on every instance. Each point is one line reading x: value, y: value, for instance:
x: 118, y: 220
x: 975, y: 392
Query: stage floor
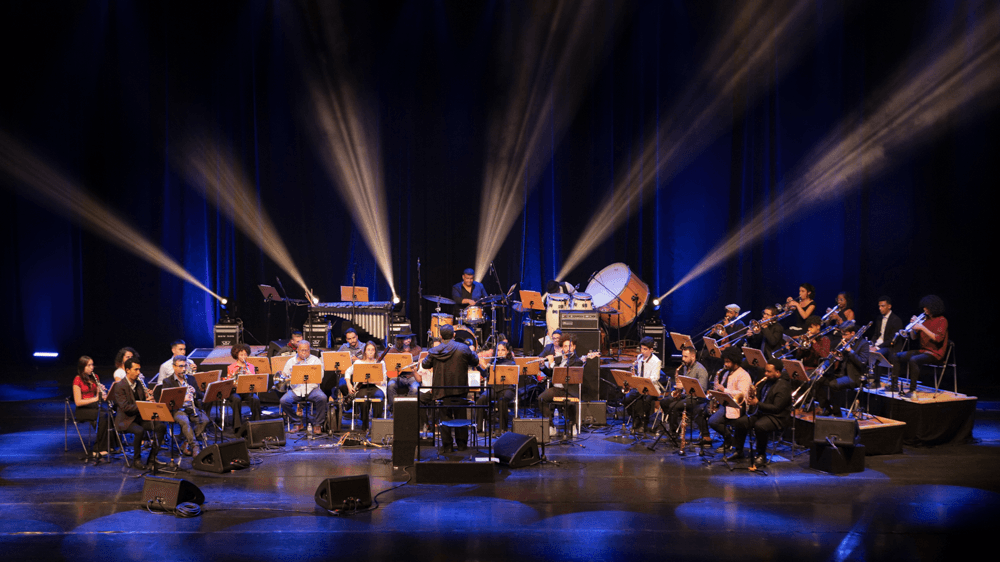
x: 603, y: 501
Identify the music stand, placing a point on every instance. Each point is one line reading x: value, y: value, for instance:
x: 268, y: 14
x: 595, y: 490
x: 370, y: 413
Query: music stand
x: 681, y: 340
x: 504, y: 375
x: 795, y: 370
x: 270, y: 295
x: 567, y: 376
x: 712, y: 347
x: 531, y: 300
x: 278, y: 363
x: 217, y: 392
x: 358, y: 294
x: 174, y: 399
x: 202, y: 380
x: 335, y: 363
x: 530, y: 367
x: 398, y: 363
x: 755, y: 357
x: 366, y: 373
x: 261, y: 365
x: 154, y: 412
x: 251, y: 384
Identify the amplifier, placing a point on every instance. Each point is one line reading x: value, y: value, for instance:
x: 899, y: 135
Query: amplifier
x: 579, y: 320
x: 656, y: 332
x: 228, y: 335
x: 317, y: 334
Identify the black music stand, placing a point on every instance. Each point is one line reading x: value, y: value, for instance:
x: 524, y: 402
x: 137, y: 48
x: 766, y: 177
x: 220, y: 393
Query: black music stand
x: 154, y: 412
x: 174, y: 399
x: 218, y: 392
x: 567, y: 376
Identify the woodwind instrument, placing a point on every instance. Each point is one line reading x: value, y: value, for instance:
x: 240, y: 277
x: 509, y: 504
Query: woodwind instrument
x: 683, y: 428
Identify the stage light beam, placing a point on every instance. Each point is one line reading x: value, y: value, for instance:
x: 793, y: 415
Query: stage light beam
x: 41, y: 183
x: 949, y: 80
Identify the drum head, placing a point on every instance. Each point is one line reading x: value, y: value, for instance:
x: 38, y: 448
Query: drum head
x: 462, y: 334
x: 609, y: 283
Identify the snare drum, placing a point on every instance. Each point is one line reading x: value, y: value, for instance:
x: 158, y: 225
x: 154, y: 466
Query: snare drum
x: 582, y: 301
x: 438, y: 320
x: 472, y: 315
x: 553, y: 304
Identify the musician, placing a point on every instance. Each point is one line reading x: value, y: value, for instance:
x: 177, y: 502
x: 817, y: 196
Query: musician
x: 451, y: 362
x: 88, y: 394
x: 426, y: 378
x: 545, y: 399
x: 406, y: 381
x: 303, y: 392
x: 736, y: 382
x: 124, y: 354
x: 844, y: 310
x: 125, y: 393
x: 931, y: 338
x: 188, y: 413
x: 813, y: 353
x: 888, y: 325
x: 804, y: 308
x: 673, y: 407
x: 555, y: 346
x: 769, y: 410
x: 178, y: 347
x: 770, y: 337
x: 240, y: 352
x: 468, y: 292
x: 848, y: 372
x: 354, y: 347
x: 728, y: 326
x: 504, y: 393
x: 647, y: 366
x: 368, y: 390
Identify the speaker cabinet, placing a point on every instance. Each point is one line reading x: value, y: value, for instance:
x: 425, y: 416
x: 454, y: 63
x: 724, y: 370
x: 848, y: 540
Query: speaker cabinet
x: 842, y: 431
x: 223, y: 457
x: 516, y: 450
x: 166, y: 493
x: 658, y: 333
x: 594, y: 413
x: 345, y: 492
x: 381, y: 430
x: 406, y: 430
x: 269, y: 432
x: 535, y: 427
x: 837, y: 459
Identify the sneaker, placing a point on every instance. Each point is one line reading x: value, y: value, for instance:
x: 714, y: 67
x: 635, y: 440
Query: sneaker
x: 576, y: 431
x: 552, y: 431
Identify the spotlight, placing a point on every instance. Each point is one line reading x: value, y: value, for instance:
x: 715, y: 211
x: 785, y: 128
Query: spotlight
x: 224, y: 301
x: 395, y: 299
x: 656, y: 302
x: 47, y: 354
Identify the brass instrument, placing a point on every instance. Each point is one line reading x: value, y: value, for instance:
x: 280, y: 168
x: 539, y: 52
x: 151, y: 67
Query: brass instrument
x: 836, y: 355
x: 805, y: 343
x: 908, y: 330
x: 830, y: 312
x: 728, y: 324
x: 756, y: 326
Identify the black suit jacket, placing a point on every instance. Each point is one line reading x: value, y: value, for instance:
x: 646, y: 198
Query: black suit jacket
x: 450, y: 361
x: 893, y: 325
x: 123, y: 397
x: 777, y: 400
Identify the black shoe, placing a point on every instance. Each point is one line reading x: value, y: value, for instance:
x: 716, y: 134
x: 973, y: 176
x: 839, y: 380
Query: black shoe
x: 447, y: 449
x: 736, y: 456
x: 138, y: 464
x: 760, y: 460
x: 461, y: 447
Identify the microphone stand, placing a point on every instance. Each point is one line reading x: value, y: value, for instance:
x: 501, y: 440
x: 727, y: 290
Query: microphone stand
x: 420, y: 299
x: 288, y: 321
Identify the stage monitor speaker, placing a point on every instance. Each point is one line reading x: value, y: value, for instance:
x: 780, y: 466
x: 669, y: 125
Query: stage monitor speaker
x: 595, y: 413
x: 345, y: 492
x: 837, y: 459
x: 516, y: 450
x: 587, y: 341
x: 275, y: 347
x: 381, y: 430
x: 166, y: 493
x: 535, y: 427
x: 658, y: 333
x: 532, y: 332
x: 406, y: 430
x: 223, y: 457
x: 265, y: 432
x: 842, y: 431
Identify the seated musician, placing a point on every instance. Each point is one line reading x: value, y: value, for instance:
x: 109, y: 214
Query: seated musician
x: 931, y: 343
x: 555, y: 347
x: 814, y: 348
x: 674, y: 406
x: 887, y: 326
x: 178, y: 347
x: 125, y: 393
x: 88, y: 394
x: 504, y: 394
x: 768, y: 409
x: 731, y: 328
x: 354, y: 347
x: 769, y: 338
x: 189, y: 413
x: 404, y: 382
x: 647, y: 366
x: 844, y: 310
x: 303, y: 392
x: 545, y: 399
x: 123, y: 355
x: 849, y: 370
x: 292, y: 346
x: 735, y: 382
x: 240, y: 352
x: 468, y: 292
x: 368, y: 390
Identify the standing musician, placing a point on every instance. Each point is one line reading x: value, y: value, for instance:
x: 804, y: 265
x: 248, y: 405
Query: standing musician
x: 504, y: 394
x: 736, y: 384
x: 849, y: 370
x: 125, y: 393
x: 468, y: 292
x: 804, y: 308
x: 303, y: 392
x: 188, y: 413
x: 813, y: 352
x: 674, y: 406
x: 426, y: 378
x: 769, y: 338
x: 404, y: 382
x: 931, y: 337
x: 88, y: 394
x: 569, y: 359
x: 647, y: 366
x: 450, y: 362
x: 240, y: 352
x: 367, y: 390
x: 769, y: 409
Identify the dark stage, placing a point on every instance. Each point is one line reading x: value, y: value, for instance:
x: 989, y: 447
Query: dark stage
x: 603, y: 501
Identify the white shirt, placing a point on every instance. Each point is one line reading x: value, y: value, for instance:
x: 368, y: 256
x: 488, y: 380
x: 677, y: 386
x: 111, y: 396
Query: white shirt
x: 350, y: 372
x: 301, y: 390
x: 649, y: 369
x: 881, y: 330
x: 167, y: 369
x: 739, y: 381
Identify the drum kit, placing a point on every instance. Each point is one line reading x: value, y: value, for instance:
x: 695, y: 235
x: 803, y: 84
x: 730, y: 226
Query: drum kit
x: 615, y: 292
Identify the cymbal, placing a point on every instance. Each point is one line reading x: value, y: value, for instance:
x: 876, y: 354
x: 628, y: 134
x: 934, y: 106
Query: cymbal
x: 608, y: 309
x: 490, y: 299
x: 437, y: 299
x: 518, y: 308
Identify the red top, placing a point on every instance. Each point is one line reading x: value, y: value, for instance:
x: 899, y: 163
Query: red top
x: 939, y: 326
x: 87, y: 389
x: 234, y: 368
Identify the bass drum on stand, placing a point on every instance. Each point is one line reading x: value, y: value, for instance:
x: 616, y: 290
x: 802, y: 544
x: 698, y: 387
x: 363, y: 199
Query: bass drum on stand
x: 616, y: 286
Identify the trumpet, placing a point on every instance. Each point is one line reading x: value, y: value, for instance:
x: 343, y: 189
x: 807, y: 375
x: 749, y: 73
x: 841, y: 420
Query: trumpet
x: 756, y: 326
x: 908, y: 330
x: 830, y: 312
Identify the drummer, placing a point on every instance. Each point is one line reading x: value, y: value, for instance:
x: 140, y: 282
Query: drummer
x: 468, y: 292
